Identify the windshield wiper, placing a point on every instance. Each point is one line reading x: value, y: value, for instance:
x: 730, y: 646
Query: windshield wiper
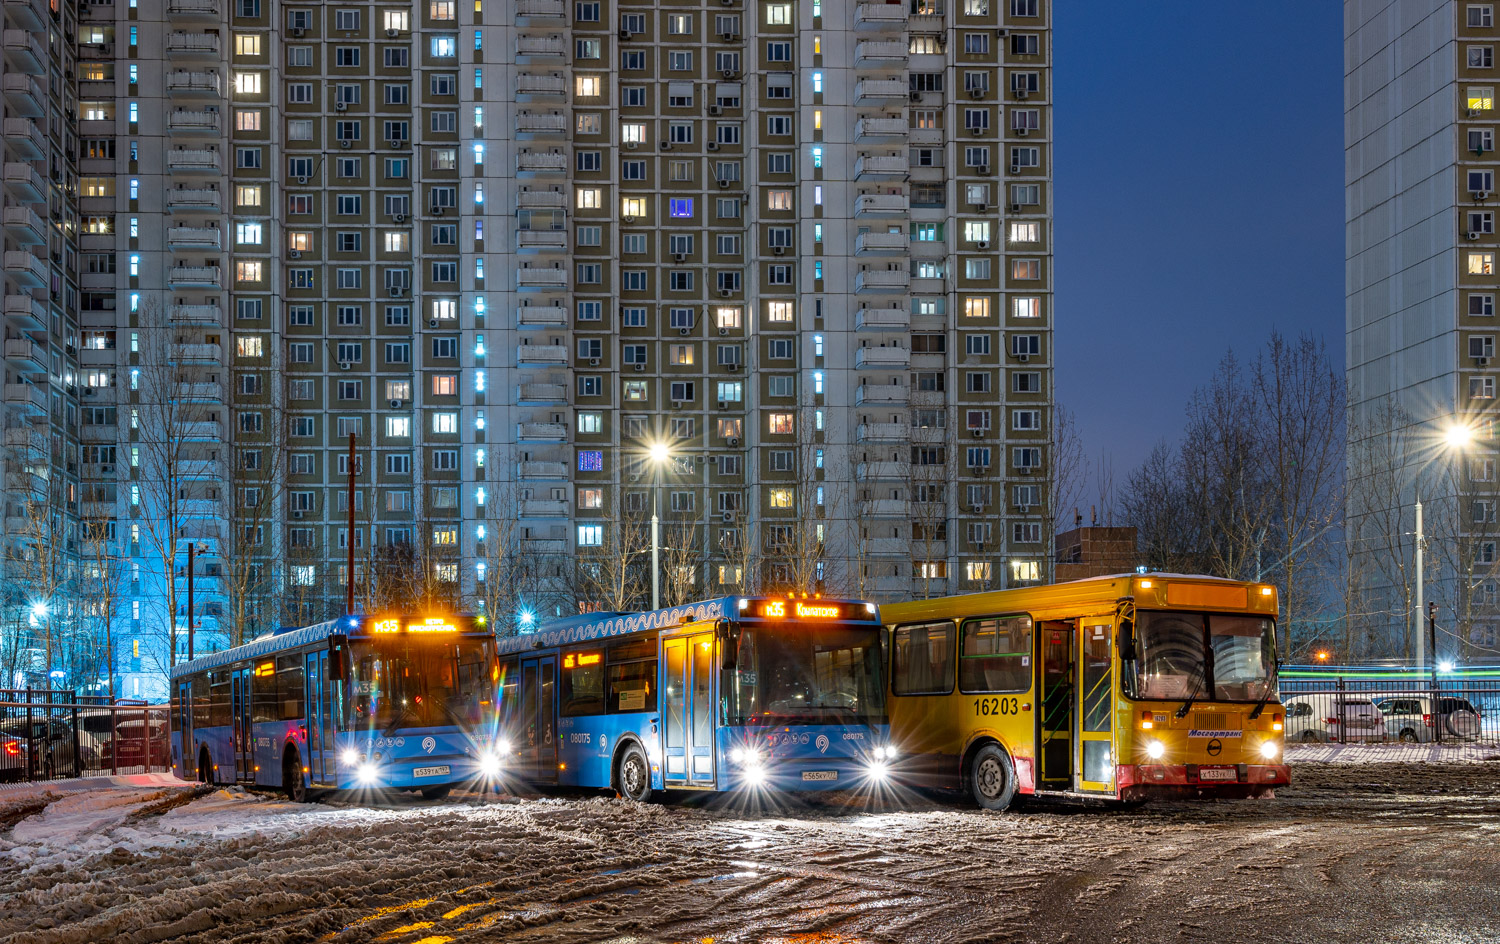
x: 1203, y: 670
x: 401, y: 716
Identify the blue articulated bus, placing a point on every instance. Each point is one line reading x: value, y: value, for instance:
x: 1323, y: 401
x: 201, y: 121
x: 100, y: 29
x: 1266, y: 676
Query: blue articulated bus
x: 388, y: 702
x: 761, y: 693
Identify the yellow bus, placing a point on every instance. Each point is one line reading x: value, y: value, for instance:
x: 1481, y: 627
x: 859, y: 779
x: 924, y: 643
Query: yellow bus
x: 1121, y: 687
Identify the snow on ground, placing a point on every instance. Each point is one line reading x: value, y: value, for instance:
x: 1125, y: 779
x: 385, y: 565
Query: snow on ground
x: 1432, y: 752
x: 1374, y: 850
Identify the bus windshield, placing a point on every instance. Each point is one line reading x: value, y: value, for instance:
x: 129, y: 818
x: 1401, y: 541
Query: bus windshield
x: 1214, y: 657
x: 405, y: 682
x: 797, y: 673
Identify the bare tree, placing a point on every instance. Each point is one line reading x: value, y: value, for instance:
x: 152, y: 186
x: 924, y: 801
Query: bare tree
x: 102, y: 588
x: 41, y: 563
x: 616, y: 575
x: 796, y: 525
x: 255, y: 471
x: 1065, y: 471
x: 1379, y: 535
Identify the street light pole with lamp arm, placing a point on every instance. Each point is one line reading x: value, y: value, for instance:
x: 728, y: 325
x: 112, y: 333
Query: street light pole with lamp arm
x: 1457, y: 437
x: 660, y: 453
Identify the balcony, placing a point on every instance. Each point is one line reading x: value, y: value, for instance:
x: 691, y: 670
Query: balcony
x: 25, y: 139
x: 27, y: 270
x: 26, y: 486
x: 196, y: 315
x: 882, y: 244
x: 543, y: 508
x: 874, y: 17
x: 25, y: 183
x: 192, y: 46
x: 23, y: 53
x: 531, y: 87
x: 921, y: 136
x: 193, y: 161
x: 24, y: 226
x: 881, y: 167
x: 880, y: 54
x: 25, y: 355
x: 533, y: 280
x: 545, y: 546
x: 193, y: 237
x: 541, y: 355
x: 27, y: 440
x: 186, y: 84
x: 542, y: 470
x: 27, y: 14
x: 882, y: 281
x: 540, y: 12
x: 881, y: 432
x: 201, y: 469
x: 535, y: 48
x: 884, y: 394
x: 875, y: 91
x: 195, y: 353
x: 880, y: 471
x: 190, y: 199
x: 882, y: 319
x: 891, y: 547
x: 204, y: 392
x: 541, y: 164
x: 541, y: 394
x: 928, y: 286
x: 24, y: 312
x: 541, y: 200
x: 873, y: 358
x: 533, y: 125
x: 181, y: 276
x: 22, y: 93
x: 541, y: 432
x: 193, y: 9
x: 541, y: 240
x: 28, y: 398
x: 881, y: 204
x: 541, y: 316
x: 882, y: 129
x: 200, y: 431
x: 190, y: 123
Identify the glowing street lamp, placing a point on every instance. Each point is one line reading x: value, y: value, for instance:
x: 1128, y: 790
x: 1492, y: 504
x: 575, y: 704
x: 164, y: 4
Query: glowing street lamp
x: 1457, y: 437
x: 659, y: 453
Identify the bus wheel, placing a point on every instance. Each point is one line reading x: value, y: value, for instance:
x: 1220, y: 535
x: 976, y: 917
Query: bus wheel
x: 635, y: 775
x: 436, y: 793
x: 992, y: 778
x: 291, y: 778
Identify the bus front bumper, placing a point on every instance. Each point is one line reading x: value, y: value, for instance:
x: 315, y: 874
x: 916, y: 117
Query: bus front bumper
x: 1211, y: 778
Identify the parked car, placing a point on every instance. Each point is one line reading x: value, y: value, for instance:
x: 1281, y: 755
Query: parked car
x: 1319, y: 717
x: 133, y: 747
x: 49, y: 746
x: 1411, y: 718
x: 12, y: 758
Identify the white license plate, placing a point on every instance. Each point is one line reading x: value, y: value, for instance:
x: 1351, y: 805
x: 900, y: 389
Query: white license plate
x: 1218, y: 773
x: 820, y: 775
x: 431, y: 771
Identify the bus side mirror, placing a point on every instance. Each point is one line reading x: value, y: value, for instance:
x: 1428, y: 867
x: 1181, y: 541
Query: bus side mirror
x: 337, y: 662
x: 728, y: 638
x: 1127, y: 641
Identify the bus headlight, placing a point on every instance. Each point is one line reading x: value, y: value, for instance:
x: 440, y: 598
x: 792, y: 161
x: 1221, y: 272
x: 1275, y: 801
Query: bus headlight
x: 1155, y: 750
x: 502, y: 747
x: 366, y: 773
x: 885, y: 753
x: 350, y: 757
x: 489, y: 764
x: 1268, y: 749
x: 876, y: 770
x: 755, y: 776
x: 748, y: 758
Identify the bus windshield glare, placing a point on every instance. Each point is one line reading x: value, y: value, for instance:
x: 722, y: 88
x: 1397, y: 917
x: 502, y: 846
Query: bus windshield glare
x: 407, y: 682
x: 1212, y: 657
x: 796, y: 673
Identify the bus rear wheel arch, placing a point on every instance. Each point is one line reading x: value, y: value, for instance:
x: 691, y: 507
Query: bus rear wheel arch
x: 990, y: 776
x: 633, y: 773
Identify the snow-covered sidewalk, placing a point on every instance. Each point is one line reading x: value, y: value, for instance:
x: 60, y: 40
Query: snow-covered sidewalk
x: 1446, y: 752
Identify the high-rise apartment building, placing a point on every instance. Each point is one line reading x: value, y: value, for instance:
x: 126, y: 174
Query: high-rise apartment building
x: 1420, y: 122
x: 802, y: 247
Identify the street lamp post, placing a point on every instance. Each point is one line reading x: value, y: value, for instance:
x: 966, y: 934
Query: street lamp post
x: 194, y: 549
x: 1457, y: 437
x: 660, y: 453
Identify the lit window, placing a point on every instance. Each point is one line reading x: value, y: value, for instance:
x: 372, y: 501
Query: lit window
x: 590, y: 535
x: 681, y: 206
x: 398, y: 426
x: 589, y: 198
x: 778, y: 200
x: 976, y: 307
x: 781, y: 497
x: 246, y: 44
x: 247, y: 83
x: 249, y: 347
x: 778, y: 14
x: 445, y: 422
x: 1026, y: 307
x: 780, y: 423
x: 248, y: 234
x: 247, y: 271
x: 1481, y: 97
x: 587, y: 86
x: 780, y: 312
x: 1481, y: 263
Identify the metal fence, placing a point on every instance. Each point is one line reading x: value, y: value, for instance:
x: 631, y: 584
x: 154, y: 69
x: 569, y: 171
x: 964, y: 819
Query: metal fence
x: 55, y: 735
x: 1372, y: 704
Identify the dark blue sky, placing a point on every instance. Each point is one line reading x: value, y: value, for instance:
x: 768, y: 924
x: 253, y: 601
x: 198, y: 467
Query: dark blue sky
x: 1199, y: 201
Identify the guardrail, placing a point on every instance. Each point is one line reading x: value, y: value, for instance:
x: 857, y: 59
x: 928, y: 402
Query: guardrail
x: 1355, y: 704
x: 69, y: 736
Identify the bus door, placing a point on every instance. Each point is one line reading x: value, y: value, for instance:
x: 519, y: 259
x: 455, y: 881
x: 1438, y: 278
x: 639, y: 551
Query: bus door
x: 1055, y: 721
x: 1095, y: 758
x: 320, y: 755
x: 239, y: 709
x: 688, y: 733
x: 538, y: 718
x: 184, y: 730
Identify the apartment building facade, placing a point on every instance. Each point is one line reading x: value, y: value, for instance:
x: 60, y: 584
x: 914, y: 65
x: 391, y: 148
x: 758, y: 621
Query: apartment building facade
x: 1421, y: 205
x: 489, y: 254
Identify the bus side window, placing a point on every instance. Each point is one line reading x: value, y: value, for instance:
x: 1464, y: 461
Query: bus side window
x: 996, y: 655
x: 218, y: 698
x: 510, y: 689
x: 200, y: 700
x: 631, y: 678
x: 583, y: 683
x: 922, y: 659
x: 289, y: 693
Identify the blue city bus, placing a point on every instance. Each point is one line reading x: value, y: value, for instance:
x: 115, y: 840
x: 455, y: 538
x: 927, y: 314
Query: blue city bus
x: 739, y: 693
x: 389, y: 702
